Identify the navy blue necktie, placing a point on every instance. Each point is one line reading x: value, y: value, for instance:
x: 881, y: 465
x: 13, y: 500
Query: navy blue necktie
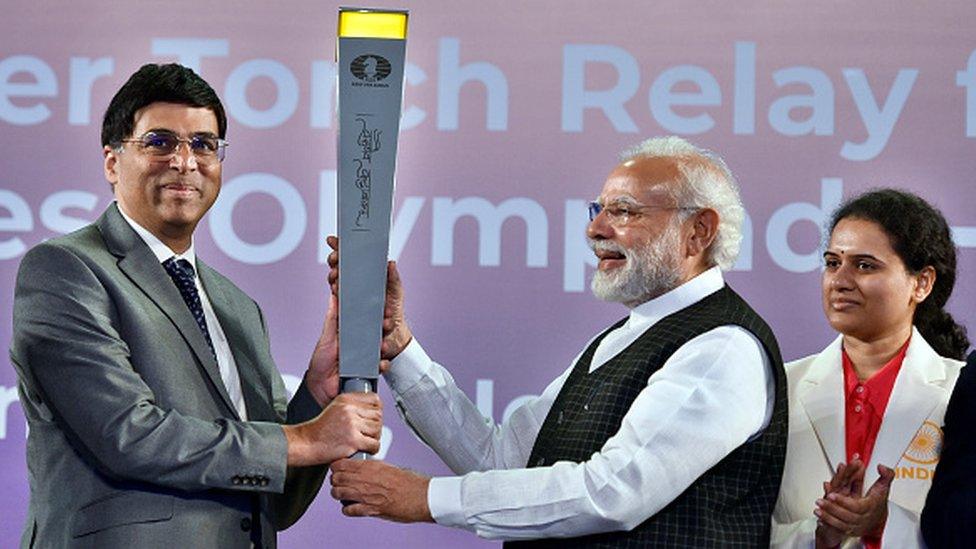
x: 184, y: 277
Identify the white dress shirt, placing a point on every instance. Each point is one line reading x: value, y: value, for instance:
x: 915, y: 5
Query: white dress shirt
x: 715, y: 393
x: 225, y: 359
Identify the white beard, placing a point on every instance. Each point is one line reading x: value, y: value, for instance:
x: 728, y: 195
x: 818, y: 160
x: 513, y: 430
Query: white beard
x: 650, y: 270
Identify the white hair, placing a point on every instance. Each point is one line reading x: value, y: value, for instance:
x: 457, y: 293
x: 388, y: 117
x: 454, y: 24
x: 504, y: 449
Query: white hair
x: 707, y: 183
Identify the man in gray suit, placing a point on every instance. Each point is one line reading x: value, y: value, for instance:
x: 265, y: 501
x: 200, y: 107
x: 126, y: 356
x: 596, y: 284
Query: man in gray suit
x: 157, y: 416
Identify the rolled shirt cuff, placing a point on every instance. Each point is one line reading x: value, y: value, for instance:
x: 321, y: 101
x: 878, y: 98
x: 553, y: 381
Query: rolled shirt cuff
x: 444, y: 501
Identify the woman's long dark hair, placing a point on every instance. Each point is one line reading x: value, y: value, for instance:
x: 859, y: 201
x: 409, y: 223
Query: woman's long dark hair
x: 920, y: 236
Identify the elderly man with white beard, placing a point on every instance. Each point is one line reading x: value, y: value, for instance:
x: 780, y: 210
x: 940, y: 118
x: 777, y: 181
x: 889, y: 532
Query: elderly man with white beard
x: 668, y: 430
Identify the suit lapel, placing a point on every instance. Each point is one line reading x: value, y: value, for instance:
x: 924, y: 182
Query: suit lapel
x: 257, y: 398
x: 917, y: 391
x: 821, y: 394
x: 137, y: 261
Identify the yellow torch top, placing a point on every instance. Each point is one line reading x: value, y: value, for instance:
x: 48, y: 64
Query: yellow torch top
x: 372, y: 23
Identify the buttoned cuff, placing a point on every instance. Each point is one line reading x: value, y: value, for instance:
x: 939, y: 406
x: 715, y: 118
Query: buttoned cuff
x: 262, y: 466
x: 408, y: 367
x: 444, y: 501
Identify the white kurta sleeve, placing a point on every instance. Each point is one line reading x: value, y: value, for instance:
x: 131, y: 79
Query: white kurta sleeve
x: 710, y: 397
x: 447, y: 421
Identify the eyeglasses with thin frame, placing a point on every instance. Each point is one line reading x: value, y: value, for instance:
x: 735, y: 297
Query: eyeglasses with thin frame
x: 161, y: 146
x: 622, y: 213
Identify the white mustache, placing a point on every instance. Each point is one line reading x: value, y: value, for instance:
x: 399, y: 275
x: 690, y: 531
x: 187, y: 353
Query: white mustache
x: 606, y: 246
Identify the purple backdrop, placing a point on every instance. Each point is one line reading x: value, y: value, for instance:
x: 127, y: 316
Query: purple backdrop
x: 513, y: 115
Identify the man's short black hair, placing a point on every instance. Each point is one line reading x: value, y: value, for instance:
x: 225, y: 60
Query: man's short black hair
x: 153, y: 83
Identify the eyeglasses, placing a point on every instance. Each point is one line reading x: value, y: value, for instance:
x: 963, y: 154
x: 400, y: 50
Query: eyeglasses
x: 622, y: 213
x: 161, y: 146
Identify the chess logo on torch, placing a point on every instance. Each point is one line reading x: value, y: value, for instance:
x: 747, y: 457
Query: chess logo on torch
x: 370, y: 68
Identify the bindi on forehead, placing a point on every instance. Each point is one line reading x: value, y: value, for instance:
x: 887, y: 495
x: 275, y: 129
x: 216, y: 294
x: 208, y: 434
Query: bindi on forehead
x: 853, y: 236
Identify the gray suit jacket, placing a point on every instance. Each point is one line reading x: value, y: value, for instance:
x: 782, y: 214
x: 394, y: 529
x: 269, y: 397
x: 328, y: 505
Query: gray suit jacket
x: 133, y: 439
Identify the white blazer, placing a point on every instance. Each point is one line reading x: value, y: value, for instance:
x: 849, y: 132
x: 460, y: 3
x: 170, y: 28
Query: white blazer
x: 909, y: 441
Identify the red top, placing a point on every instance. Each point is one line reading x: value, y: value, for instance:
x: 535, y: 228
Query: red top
x: 865, y: 403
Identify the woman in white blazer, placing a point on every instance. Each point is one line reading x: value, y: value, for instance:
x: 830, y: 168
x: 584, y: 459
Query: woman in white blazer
x: 889, y: 268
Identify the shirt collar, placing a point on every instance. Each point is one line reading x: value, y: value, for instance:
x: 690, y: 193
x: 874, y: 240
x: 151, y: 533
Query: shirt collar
x: 685, y: 295
x: 160, y: 250
x: 882, y: 381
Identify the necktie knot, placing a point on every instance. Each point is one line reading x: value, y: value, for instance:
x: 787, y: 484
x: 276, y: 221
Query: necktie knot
x: 179, y: 269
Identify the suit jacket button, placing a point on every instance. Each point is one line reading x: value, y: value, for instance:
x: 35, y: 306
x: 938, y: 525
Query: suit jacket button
x: 246, y: 524
x: 235, y: 479
x: 265, y: 481
x: 540, y: 462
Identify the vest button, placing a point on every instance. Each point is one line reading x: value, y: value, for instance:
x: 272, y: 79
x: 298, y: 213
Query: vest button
x: 540, y: 462
x: 586, y: 407
x: 246, y: 524
x: 559, y: 420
